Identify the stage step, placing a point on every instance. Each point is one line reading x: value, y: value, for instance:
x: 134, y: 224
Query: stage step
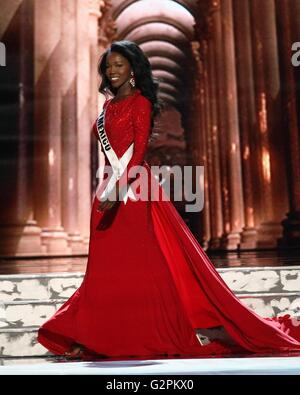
x: 26, y: 301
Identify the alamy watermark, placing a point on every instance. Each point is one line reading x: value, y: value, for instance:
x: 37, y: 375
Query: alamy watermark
x: 183, y: 184
x: 2, y: 55
x: 296, y: 56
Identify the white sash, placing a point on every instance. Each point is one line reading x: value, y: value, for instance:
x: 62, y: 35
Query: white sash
x: 118, y: 165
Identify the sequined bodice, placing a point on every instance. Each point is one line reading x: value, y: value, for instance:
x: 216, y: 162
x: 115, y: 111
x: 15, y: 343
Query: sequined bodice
x: 119, y: 124
x: 127, y: 121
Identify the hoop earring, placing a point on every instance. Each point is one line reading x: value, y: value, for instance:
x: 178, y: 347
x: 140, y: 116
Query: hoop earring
x: 132, y: 80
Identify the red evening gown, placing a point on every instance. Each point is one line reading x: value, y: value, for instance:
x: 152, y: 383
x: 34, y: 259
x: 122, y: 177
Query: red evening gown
x: 148, y: 283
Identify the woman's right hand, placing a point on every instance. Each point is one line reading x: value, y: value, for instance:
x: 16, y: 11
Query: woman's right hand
x: 106, y: 205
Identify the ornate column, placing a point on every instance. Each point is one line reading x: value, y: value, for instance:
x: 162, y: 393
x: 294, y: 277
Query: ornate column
x: 247, y: 117
x: 269, y: 110
x: 288, y: 12
x: 217, y: 42
x: 48, y: 115
x: 231, y: 239
x: 83, y: 122
x: 201, y: 111
x: 19, y: 233
x: 204, y: 133
x: 213, y: 138
x: 206, y: 140
x: 68, y: 126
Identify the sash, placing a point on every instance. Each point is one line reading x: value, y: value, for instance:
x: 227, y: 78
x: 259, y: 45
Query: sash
x: 118, y: 165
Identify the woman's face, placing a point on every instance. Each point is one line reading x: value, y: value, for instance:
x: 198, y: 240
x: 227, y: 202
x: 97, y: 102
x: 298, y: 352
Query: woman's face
x: 117, y: 69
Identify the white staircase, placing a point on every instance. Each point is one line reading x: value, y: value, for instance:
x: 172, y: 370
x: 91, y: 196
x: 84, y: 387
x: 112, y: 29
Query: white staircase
x: 26, y: 301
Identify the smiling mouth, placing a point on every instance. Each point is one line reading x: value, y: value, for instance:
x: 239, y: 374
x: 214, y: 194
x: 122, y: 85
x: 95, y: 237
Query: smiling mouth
x: 114, y: 79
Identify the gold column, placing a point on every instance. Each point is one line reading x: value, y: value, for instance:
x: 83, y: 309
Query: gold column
x: 232, y: 146
x: 289, y: 13
x: 217, y: 40
x: 273, y: 183
x: 247, y: 118
x: 83, y: 121
x: 201, y: 111
x: 207, y: 140
x: 68, y: 126
x: 213, y: 138
x: 48, y: 114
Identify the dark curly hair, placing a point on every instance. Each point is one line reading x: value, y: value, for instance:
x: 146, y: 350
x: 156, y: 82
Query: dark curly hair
x: 144, y: 80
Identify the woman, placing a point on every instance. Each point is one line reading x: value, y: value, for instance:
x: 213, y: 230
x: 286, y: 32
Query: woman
x: 148, y: 284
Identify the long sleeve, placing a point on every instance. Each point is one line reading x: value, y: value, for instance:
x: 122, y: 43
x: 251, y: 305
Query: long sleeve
x: 142, y: 126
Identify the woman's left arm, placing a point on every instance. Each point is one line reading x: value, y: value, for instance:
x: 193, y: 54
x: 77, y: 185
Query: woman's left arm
x: 142, y: 109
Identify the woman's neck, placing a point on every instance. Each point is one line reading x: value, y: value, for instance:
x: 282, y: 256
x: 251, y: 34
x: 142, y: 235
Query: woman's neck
x: 120, y: 95
x: 126, y: 93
